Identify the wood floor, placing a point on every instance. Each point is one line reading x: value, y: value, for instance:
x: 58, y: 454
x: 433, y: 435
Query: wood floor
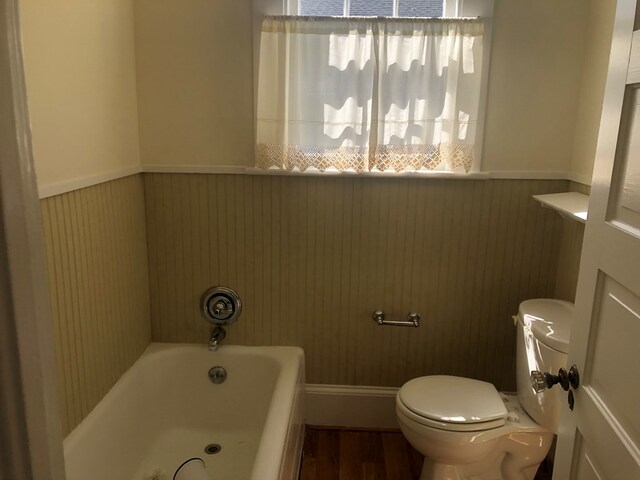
x: 362, y: 455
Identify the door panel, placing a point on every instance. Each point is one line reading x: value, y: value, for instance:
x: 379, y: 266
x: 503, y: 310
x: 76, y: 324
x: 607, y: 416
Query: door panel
x: 611, y: 378
x: 610, y: 449
x: 624, y: 202
x: 622, y: 260
x: 584, y: 468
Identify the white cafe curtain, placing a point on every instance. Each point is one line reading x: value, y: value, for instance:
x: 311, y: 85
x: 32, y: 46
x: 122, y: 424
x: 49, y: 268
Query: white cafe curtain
x: 363, y: 94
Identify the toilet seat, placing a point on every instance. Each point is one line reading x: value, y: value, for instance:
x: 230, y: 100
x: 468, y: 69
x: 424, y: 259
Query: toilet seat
x: 451, y: 403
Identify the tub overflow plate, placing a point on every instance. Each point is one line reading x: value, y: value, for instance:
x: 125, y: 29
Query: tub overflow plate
x: 217, y: 374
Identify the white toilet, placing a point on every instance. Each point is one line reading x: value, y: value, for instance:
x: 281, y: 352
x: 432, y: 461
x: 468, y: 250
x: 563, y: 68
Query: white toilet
x: 467, y: 430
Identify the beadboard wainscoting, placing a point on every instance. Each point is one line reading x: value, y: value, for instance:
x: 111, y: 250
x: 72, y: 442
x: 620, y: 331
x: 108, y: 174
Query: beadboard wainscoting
x: 312, y: 257
x: 95, y: 242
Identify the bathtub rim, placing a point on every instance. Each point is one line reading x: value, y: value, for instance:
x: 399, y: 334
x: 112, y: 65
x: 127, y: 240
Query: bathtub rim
x: 278, y: 423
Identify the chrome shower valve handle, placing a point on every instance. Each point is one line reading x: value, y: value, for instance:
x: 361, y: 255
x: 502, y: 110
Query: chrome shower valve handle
x: 220, y: 306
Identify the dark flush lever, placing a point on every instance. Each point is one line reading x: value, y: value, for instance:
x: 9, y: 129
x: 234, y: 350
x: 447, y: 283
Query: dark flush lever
x: 541, y: 381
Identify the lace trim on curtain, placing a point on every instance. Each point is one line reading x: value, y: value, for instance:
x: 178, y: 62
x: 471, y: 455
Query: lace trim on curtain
x: 363, y: 159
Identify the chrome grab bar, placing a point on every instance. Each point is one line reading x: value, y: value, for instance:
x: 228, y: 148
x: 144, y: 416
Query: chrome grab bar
x: 413, y: 320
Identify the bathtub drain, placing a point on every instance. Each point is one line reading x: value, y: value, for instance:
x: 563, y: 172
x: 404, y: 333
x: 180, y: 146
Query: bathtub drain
x: 212, y: 449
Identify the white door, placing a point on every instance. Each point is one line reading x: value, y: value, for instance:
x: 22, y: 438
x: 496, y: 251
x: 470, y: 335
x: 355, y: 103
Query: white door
x: 600, y: 438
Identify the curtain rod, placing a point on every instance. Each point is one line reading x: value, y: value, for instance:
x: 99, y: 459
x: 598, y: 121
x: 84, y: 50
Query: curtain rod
x: 363, y: 17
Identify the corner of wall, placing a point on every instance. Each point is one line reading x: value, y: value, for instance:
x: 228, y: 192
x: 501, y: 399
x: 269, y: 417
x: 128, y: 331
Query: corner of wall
x: 591, y: 89
x: 81, y: 86
x: 570, y: 251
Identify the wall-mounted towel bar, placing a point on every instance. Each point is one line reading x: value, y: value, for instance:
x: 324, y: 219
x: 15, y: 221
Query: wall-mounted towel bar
x: 413, y: 320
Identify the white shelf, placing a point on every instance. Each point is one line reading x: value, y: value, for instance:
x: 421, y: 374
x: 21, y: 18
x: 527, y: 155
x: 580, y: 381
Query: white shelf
x: 572, y: 205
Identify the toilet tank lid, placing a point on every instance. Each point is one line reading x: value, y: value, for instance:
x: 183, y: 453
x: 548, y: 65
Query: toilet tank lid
x: 453, y: 400
x: 549, y: 320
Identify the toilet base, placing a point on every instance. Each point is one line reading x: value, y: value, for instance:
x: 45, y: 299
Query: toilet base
x: 513, y: 451
x: 432, y: 471
x: 500, y: 465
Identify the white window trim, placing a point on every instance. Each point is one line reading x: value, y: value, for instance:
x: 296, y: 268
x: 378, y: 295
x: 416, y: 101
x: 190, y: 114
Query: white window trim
x: 453, y: 8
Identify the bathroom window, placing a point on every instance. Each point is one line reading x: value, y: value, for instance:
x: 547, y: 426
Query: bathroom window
x: 385, y: 92
x: 377, y: 8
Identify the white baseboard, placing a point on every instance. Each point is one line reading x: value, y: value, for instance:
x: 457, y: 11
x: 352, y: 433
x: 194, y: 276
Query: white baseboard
x: 351, y: 406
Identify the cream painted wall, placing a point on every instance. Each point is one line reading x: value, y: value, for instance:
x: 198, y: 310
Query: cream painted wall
x: 591, y: 95
x: 536, y: 61
x: 81, y: 86
x: 194, y: 99
x: 195, y: 81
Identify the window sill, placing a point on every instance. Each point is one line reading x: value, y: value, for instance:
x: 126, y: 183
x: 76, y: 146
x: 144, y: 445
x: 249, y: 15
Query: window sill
x: 243, y: 170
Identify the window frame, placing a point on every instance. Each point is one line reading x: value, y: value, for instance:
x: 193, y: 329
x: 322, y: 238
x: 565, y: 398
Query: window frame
x: 449, y: 7
x: 461, y: 8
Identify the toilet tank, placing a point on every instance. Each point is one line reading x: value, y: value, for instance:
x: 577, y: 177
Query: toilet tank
x: 543, y: 330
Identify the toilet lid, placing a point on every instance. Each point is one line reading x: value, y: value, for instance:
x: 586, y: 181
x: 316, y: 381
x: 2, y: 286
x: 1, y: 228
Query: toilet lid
x: 454, y: 400
x: 549, y: 320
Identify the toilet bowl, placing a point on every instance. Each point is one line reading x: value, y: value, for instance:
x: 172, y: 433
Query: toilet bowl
x: 467, y: 430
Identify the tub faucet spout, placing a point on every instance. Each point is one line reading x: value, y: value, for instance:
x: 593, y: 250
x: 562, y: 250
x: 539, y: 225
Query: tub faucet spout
x: 217, y: 336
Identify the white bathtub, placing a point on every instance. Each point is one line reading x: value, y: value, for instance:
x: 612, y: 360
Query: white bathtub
x: 165, y: 410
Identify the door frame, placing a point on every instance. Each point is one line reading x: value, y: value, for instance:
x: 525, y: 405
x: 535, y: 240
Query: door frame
x: 31, y: 434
